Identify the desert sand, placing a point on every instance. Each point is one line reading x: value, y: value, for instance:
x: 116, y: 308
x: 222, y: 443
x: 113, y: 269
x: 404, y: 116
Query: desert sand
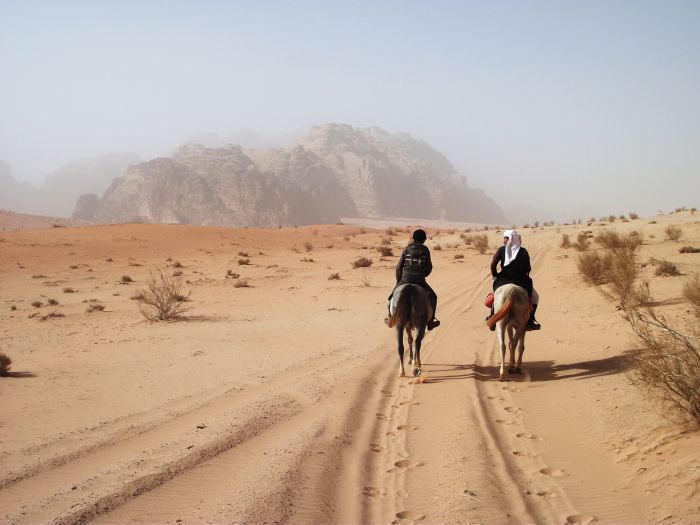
x: 281, y: 401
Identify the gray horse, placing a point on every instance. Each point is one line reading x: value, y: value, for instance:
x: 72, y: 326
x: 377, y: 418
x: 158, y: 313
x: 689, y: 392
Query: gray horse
x: 410, y: 310
x: 512, y: 307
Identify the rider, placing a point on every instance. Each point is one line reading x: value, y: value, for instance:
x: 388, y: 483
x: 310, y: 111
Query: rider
x: 413, y: 267
x: 515, y: 269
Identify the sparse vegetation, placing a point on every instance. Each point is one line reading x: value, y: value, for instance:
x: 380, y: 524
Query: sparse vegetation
x: 126, y: 279
x: 437, y: 247
x: 243, y: 261
x: 362, y: 262
x: 308, y: 246
x: 307, y: 259
x: 481, y: 242
x: 365, y: 280
x: 691, y: 291
x: 95, y: 307
x: 458, y: 256
x: 52, y: 302
x: 666, y: 269
x: 5, y: 364
x: 177, y: 273
x: 243, y: 283
x: 689, y: 249
x: 673, y: 233
x: 37, y: 304
x: 230, y: 274
x: 162, y: 299
x: 595, y: 267
x: 565, y: 242
x: 68, y: 289
x: 385, y: 251
x: 614, y: 241
x: 51, y: 315
x: 582, y: 242
x: 334, y: 277
x: 633, y: 215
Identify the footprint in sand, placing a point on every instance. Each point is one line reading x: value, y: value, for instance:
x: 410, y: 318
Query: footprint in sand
x: 523, y: 454
x: 510, y: 388
x: 546, y: 494
x: 387, y: 393
x: 391, y: 433
x: 381, y: 416
x: 409, y: 515
x: 409, y: 403
x: 406, y: 427
x: 497, y: 398
x: 527, y: 435
x: 376, y: 447
x: 580, y: 519
x: 372, y: 492
x: 504, y: 422
x: 554, y: 472
x: 407, y: 463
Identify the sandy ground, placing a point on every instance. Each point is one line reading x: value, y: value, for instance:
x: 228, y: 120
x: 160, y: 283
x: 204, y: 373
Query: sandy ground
x: 281, y: 401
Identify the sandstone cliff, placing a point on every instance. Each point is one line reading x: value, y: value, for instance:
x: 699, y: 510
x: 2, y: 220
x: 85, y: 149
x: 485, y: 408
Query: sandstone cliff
x: 334, y: 171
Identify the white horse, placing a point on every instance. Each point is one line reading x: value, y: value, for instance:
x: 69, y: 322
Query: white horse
x: 512, y: 310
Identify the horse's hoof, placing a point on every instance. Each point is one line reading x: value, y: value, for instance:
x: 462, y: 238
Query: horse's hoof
x: 402, y: 374
x: 502, y: 378
x: 417, y: 372
x: 519, y: 370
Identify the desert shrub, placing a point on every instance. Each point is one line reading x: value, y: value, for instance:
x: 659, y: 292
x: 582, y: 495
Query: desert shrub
x: 362, y: 262
x: 13, y: 307
x: 230, y: 274
x: 346, y: 238
x: 642, y: 294
x: 667, y: 268
x: 468, y: 239
x: 68, y: 289
x: 668, y: 364
x: 652, y: 222
x: 458, y: 256
x: 307, y: 259
x: 622, y: 273
x: 390, y: 232
x: 612, y: 240
x: 437, y: 247
x: 243, y: 261
x: 385, y: 251
x: 162, y: 298
x: 52, y: 302
x: 481, y: 242
x: 334, y: 277
x: 52, y: 315
x: 126, y: 279
x: 243, y: 254
x: 633, y: 215
x: 308, y: 246
x: 385, y: 241
x: 365, y: 280
x: 5, y: 364
x: 177, y: 264
x: 611, y: 218
x: 691, y: 290
x: 595, y: 267
x: 673, y: 233
x: 582, y: 242
x: 689, y: 249
x: 565, y: 242
x: 37, y: 304
x: 177, y: 273
x: 95, y: 307
x: 243, y: 283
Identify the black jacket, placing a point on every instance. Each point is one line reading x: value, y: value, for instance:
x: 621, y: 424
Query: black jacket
x: 517, y: 272
x: 414, y: 264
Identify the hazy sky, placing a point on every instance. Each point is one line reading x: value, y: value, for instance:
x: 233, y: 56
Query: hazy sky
x: 584, y: 107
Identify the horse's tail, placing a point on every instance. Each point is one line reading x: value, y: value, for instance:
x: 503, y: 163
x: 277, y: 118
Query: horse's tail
x: 503, y: 311
x: 402, y: 312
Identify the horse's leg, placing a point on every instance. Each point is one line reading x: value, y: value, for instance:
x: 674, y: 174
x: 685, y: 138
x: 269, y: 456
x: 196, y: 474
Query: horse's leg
x: 501, y: 332
x: 399, y: 336
x: 417, y: 365
x: 521, y: 350
x: 512, y: 343
x: 409, y: 333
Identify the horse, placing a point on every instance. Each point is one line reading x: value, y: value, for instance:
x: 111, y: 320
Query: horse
x: 512, y: 306
x: 410, y: 309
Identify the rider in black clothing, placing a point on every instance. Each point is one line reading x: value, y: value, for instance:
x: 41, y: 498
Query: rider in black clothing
x: 515, y: 269
x: 413, y: 267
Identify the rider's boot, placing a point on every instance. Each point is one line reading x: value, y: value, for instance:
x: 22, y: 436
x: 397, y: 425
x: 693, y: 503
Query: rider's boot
x: 532, y: 323
x: 433, y: 323
x: 492, y: 328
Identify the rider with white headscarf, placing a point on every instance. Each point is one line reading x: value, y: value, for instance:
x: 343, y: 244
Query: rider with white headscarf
x: 515, y: 269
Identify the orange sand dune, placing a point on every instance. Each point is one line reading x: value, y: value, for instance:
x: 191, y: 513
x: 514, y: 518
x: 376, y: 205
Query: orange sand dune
x: 281, y: 401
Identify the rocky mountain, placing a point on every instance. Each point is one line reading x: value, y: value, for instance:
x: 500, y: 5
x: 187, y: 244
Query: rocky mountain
x: 334, y: 171
x: 58, y: 194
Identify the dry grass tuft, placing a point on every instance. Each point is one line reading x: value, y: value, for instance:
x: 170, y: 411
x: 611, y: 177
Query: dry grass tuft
x: 480, y: 242
x: 668, y: 364
x: 243, y: 283
x: 308, y: 246
x: 691, y: 291
x: 689, y: 249
x: 52, y: 302
x: 594, y: 267
x: 565, y: 242
x: 437, y: 247
x: 385, y: 251
x: 365, y: 280
x: 95, y: 307
x: 243, y: 261
x: 612, y: 240
x: 68, y: 289
x: 126, y: 279
x: 230, y: 274
x: 37, y: 304
x: 633, y: 215
x: 362, y: 262
x: 673, y: 233
x: 458, y: 256
x: 334, y: 277
x: 667, y: 269
x: 162, y: 299
x: 5, y: 364
x: 582, y: 242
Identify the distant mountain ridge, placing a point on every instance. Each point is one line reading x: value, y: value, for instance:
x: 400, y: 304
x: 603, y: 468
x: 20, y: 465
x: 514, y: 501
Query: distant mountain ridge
x: 333, y: 171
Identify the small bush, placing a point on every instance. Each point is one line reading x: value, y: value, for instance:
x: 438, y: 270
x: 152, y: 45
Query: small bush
x: 385, y: 241
x: 243, y: 254
x: 667, y: 268
x: 458, y: 256
x: 565, y: 242
x: 52, y: 302
x: 390, y: 232
x: 691, y: 290
x: 243, y: 283
x: 13, y: 308
x: 385, y: 251
x: 594, y: 267
x: 37, y: 304
x: 668, y: 364
x: 689, y: 249
x: 307, y: 259
x: 243, y: 262
x: 68, y: 289
x: 582, y: 242
x: 481, y: 242
x: 230, y: 274
x: 126, y: 279
x: 162, y: 299
x: 334, y: 277
x: 437, y: 248
x: 612, y: 240
x: 633, y: 215
x: 673, y: 233
x: 308, y: 246
x: 611, y: 218
x: 5, y: 364
x: 622, y: 273
x: 362, y: 262
x: 177, y: 273
x: 95, y: 307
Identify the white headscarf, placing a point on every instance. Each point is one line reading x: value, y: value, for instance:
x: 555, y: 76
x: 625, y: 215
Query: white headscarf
x: 513, y: 246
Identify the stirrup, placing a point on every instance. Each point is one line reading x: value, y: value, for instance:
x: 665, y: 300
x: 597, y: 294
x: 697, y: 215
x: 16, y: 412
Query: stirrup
x: 534, y: 325
x: 433, y: 323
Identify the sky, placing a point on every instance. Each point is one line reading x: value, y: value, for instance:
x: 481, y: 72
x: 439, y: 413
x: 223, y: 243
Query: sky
x: 575, y: 108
